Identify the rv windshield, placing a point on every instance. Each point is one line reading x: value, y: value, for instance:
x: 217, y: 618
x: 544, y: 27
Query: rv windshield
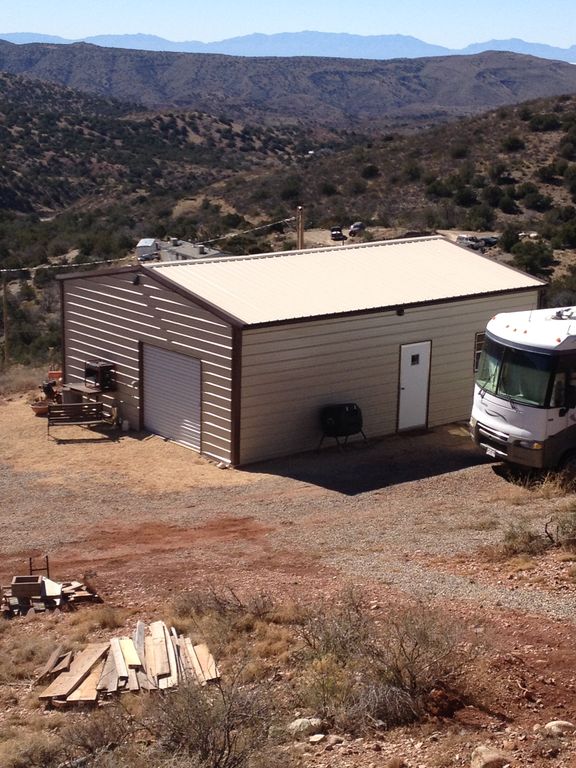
x: 514, y: 373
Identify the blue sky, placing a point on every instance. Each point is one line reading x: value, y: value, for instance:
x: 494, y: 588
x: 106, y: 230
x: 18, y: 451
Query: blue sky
x: 453, y: 23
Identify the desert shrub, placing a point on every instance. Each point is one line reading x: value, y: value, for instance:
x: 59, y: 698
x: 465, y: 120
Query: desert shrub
x: 357, y: 675
x: 563, y: 526
x: 520, y: 539
x: 219, y: 727
x: 536, y: 258
x: 332, y: 630
x: 513, y: 143
x: 102, y: 732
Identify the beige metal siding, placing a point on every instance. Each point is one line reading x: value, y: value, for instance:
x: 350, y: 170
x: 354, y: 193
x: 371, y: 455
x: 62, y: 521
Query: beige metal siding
x: 290, y: 371
x: 106, y: 317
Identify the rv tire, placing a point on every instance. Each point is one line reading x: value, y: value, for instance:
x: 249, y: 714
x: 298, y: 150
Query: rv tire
x: 567, y: 463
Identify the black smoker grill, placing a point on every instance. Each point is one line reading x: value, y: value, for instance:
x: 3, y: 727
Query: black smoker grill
x: 100, y: 375
x: 341, y: 420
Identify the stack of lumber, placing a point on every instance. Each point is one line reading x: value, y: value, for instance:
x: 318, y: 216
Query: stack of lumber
x: 36, y: 594
x: 155, y: 660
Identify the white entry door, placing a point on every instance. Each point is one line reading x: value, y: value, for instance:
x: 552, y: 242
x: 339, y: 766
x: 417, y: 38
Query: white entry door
x: 172, y: 396
x: 414, y: 380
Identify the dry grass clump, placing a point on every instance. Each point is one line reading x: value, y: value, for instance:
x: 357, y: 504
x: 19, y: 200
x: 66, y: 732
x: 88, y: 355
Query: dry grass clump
x: 544, y: 484
x: 520, y: 539
x: 256, y: 627
x: 20, y: 655
x: 88, y: 620
x: 564, y: 523
x: 20, y: 378
x: 31, y: 750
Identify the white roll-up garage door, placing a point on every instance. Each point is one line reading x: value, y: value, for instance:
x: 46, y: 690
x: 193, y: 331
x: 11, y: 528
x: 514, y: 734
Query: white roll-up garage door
x: 173, y: 396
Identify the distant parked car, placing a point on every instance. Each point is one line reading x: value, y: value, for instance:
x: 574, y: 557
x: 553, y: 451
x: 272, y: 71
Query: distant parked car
x: 470, y: 241
x: 155, y: 256
x: 337, y: 234
x: 357, y: 228
x: 490, y: 242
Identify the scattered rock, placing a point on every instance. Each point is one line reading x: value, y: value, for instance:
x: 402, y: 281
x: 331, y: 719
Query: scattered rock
x: 559, y: 728
x: 332, y: 740
x: 488, y: 757
x: 396, y: 762
x: 317, y: 738
x: 305, y: 726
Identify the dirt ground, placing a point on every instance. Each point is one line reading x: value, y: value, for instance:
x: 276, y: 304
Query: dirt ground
x: 407, y: 518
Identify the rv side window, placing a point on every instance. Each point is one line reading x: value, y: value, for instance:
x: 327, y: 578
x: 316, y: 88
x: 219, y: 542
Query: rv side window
x: 478, y: 344
x: 558, y: 396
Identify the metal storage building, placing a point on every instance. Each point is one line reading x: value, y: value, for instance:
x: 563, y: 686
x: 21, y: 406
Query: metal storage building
x: 234, y: 357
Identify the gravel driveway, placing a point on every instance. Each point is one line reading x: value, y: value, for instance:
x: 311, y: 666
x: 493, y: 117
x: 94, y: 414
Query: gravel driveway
x: 383, y: 511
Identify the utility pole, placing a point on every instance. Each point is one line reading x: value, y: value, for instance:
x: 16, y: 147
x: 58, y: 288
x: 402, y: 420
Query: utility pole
x: 5, y: 318
x: 300, y: 229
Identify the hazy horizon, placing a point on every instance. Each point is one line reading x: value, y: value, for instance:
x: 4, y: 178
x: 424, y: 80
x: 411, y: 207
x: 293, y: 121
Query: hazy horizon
x: 447, y: 23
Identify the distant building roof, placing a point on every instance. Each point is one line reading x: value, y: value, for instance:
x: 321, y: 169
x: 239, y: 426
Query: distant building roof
x: 293, y: 285
x: 181, y: 250
x: 145, y: 242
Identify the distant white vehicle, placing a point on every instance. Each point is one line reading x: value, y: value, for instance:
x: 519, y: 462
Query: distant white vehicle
x: 357, y: 228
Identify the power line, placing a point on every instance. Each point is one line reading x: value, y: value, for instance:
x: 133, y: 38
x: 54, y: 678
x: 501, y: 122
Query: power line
x: 123, y: 258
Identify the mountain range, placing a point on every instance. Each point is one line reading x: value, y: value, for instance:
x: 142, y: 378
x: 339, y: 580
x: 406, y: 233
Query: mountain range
x: 334, y: 93
x: 323, y: 44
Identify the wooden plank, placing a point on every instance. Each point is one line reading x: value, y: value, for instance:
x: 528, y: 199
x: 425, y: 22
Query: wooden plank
x: 149, y: 663
x: 131, y: 657
x: 64, y: 664
x: 177, y: 655
x: 201, y: 680
x: 53, y: 660
x: 138, y: 640
x: 87, y: 691
x: 51, y: 588
x: 187, y: 668
x: 149, y: 658
x: 133, y: 684
x: 109, y: 678
x: 78, y: 672
x: 207, y: 663
x: 173, y: 676
x: 161, y: 660
x: 119, y: 661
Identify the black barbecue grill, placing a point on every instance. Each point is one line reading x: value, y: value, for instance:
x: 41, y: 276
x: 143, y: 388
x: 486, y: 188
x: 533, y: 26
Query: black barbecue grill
x: 341, y: 421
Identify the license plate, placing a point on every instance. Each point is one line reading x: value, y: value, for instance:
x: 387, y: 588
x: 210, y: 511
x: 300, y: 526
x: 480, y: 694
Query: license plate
x: 491, y: 452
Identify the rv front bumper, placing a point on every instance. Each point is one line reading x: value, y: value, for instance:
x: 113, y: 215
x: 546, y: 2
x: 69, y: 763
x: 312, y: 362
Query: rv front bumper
x: 500, y: 445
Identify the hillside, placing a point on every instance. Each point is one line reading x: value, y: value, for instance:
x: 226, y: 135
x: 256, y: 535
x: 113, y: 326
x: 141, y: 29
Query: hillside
x: 61, y: 148
x: 84, y: 178
x: 341, y: 93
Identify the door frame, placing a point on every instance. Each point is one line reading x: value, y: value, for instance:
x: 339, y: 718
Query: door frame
x: 399, y: 389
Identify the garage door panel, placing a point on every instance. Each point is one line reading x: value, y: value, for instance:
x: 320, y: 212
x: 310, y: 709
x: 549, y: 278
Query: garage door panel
x: 173, y: 396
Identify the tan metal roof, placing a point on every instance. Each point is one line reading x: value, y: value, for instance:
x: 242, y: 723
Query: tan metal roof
x: 299, y: 284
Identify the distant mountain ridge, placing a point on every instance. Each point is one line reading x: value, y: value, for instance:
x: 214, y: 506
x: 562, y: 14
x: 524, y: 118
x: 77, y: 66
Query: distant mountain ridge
x: 307, y: 43
x: 329, y: 92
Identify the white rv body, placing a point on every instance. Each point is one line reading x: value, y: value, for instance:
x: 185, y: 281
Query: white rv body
x: 524, y: 408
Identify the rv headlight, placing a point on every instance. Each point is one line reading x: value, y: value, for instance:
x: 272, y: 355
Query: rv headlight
x: 531, y: 445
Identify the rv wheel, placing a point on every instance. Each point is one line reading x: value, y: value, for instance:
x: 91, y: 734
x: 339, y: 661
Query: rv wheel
x: 567, y: 464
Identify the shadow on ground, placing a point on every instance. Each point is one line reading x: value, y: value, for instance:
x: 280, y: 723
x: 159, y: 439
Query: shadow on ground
x: 363, y: 467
